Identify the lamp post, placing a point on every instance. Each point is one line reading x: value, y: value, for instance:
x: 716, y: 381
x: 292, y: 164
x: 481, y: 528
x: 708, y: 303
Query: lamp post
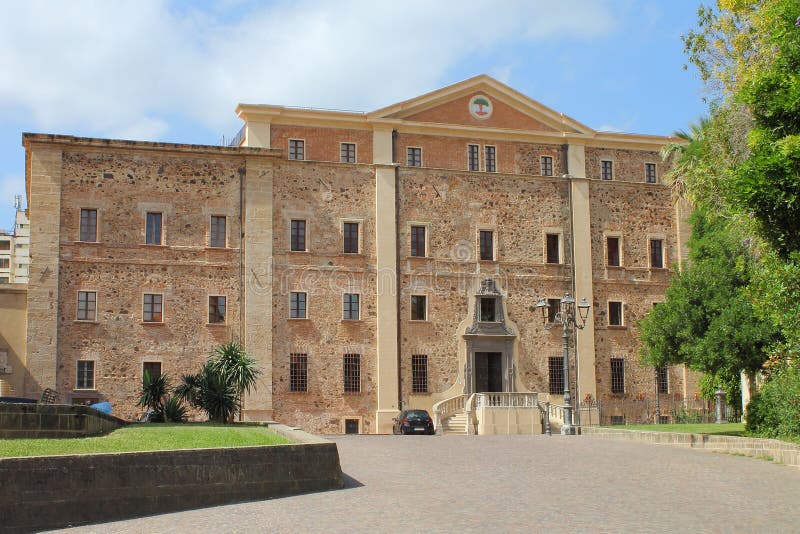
x: 566, y: 317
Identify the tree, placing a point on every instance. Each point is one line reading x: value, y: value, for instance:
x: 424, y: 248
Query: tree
x: 707, y: 320
x: 236, y: 366
x: 154, y: 396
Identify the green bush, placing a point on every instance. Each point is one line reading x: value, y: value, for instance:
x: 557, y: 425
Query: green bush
x: 775, y: 410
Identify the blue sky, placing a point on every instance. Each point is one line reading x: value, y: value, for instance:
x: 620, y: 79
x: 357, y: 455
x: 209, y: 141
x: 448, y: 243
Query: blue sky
x: 174, y: 71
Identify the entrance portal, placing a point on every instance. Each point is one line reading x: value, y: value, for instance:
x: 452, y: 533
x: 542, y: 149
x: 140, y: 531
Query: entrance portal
x: 488, y: 372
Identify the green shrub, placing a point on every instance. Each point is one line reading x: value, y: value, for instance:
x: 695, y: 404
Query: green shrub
x: 775, y: 410
x: 173, y: 410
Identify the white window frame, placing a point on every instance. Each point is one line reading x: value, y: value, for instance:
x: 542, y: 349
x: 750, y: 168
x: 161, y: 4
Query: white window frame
x: 553, y: 231
x: 360, y: 223
x: 618, y: 235
x: 421, y: 157
x: 355, y: 151
x: 622, y: 323
x: 496, y: 164
x: 427, y: 227
x: 289, y: 149
x: 664, y: 261
x: 495, y: 239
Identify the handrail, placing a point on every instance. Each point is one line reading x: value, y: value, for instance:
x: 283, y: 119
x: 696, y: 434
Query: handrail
x: 507, y: 400
x: 446, y: 408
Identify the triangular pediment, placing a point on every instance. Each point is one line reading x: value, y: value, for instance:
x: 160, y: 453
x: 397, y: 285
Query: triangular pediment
x: 481, y: 102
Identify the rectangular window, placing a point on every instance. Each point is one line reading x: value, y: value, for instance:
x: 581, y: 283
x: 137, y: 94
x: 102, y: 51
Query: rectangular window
x: 350, y: 310
x: 85, y: 379
x: 614, y: 313
x: 414, y: 156
x: 662, y: 379
x: 297, y: 305
x: 473, y: 158
x: 87, y: 305
x: 218, y: 232
x: 553, y: 252
x: 153, y: 228
x: 490, y: 158
x: 556, y: 375
x: 612, y: 251
x: 617, y: 376
x: 216, y: 310
x: 297, y: 149
x: 419, y: 373
x: 4, y: 263
x: 607, y: 170
x: 350, y: 230
x: 418, y: 241
x: 352, y: 373
x: 488, y: 310
x: 419, y: 308
x: 547, y: 165
x: 151, y: 368
x: 650, y: 173
x: 486, y: 238
x: 298, y: 243
x: 298, y: 372
x: 3, y: 279
x: 152, y: 308
x: 89, y: 225
x: 348, y: 153
x: 657, y: 253
x: 5, y: 245
x: 553, y: 307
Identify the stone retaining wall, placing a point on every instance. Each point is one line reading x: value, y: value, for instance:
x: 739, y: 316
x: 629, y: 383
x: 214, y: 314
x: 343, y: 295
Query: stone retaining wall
x: 769, y: 449
x: 18, y: 420
x: 56, y: 491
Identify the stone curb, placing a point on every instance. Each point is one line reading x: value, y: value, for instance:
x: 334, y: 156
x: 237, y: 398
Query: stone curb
x: 766, y: 449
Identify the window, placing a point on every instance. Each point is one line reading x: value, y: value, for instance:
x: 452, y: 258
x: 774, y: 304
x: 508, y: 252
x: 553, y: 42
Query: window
x: 473, y: 158
x: 488, y: 309
x: 650, y: 173
x: 486, y: 239
x: 419, y: 373
x: 297, y: 305
x: 553, y: 252
x: 490, y: 158
x: 153, y: 228
x: 612, y: 251
x: 419, y: 308
x: 617, y: 419
x: 350, y: 307
x: 298, y: 239
x: 151, y: 368
x: 414, y: 156
x: 662, y: 379
x: 88, y: 225
x: 87, y: 305
x: 617, y: 376
x: 3, y: 279
x: 297, y: 149
x: 556, y: 374
x: 85, y: 375
x: 350, y: 238
x: 352, y: 373
x: 298, y: 372
x: 418, y: 241
x: 553, y: 307
x: 216, y: 310
x: 607, y: 170
x: 347, y: 153
x: 218, y: 233
x: 547, y: 165
x: 5, y: 245
x: 4, y: 262
x: 614, y: 313
x: 657, y: 253
x: 152, y: 308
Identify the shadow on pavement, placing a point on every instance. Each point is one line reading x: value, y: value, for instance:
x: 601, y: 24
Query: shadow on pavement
x: 350, y: 482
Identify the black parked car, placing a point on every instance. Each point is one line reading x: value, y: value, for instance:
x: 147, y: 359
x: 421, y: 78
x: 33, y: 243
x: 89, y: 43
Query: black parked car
x: 413, y: 422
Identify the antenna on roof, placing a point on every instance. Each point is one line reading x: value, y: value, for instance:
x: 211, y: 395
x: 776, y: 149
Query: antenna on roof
x: 17, y: 202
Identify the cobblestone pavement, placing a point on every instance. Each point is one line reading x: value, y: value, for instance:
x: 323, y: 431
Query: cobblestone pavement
x: 516, y: 484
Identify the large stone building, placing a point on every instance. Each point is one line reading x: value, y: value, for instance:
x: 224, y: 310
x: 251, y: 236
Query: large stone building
x: 369, y: 261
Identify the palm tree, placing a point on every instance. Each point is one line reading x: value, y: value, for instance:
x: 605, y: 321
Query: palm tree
x: 154, y: 389
x: 686, y: 157
x: 237, y: 368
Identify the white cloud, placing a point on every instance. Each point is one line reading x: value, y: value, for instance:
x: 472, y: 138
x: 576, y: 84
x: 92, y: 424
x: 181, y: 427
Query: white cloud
x: 121, y: 68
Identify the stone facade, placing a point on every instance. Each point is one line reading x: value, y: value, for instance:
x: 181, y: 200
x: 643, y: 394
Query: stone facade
x: 260, y: 190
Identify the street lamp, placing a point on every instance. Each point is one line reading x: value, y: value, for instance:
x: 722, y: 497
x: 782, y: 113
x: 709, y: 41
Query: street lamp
x: 566, y: 317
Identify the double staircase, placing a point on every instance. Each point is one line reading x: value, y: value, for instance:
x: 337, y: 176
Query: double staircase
x: 459, y: 415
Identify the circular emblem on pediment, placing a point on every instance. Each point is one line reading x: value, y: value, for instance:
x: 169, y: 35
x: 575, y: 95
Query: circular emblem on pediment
x: 480, y: 107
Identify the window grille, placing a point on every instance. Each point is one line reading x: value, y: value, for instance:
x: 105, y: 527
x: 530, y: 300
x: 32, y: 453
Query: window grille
x: 650, y: 173
x: 352, y: 373
x: 419, y: 373
x: 556, y: 375
x: 617, y: 376
x: 607, y: 170
x: 662, y: 379
x: 298, y: 372
x: 547, y: 165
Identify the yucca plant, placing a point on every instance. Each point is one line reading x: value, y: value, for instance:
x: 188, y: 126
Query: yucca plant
x: 173, y: 410
x: 236, y: 367
x: 154, y: 389
x: 215, y: 395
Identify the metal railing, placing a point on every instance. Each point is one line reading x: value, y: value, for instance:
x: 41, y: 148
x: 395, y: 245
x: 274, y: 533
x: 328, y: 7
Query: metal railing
x: 237, y: 140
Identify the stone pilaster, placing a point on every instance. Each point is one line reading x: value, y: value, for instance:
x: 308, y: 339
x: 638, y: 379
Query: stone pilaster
x: 44, y: 199
x: 257, y: 308
x: 582, y: 261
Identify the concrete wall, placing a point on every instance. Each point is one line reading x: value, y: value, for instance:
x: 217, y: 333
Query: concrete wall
x: 13, y: 328
x: 53, y: 421
x: 50, y: 492
x: 509, y: 421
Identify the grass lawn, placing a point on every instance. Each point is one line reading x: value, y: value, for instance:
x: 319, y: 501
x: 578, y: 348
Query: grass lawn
x: 728, y: 429
x: 147, y: 437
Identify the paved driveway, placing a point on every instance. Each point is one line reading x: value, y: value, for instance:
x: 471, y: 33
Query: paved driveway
x: 516, y: 484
